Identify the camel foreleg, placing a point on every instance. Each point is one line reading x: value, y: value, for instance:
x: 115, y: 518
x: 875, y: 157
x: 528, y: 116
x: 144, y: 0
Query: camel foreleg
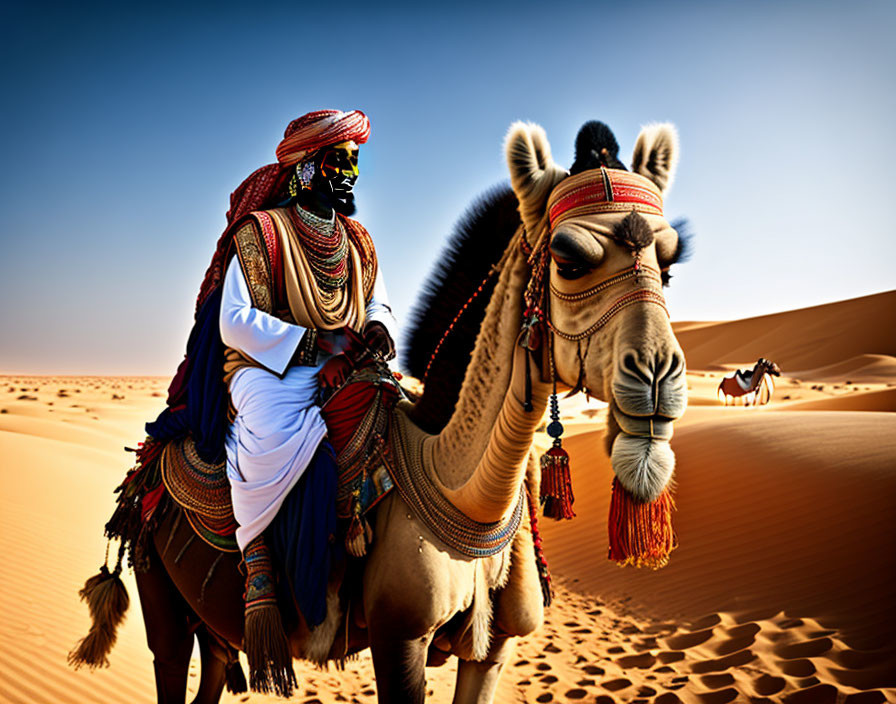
x: 399, y: 666
x: 214, y: 662
x: 477, y: 681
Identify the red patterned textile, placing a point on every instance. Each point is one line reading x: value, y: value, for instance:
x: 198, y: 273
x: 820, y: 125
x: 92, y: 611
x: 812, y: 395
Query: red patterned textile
x: 602, y: 191
x: 318, y: 129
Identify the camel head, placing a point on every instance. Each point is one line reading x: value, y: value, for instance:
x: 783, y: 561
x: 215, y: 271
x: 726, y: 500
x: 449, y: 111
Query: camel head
x: 606, y: 251
x: 770, y: 367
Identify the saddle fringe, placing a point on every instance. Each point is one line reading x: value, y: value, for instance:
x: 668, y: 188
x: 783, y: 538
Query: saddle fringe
x: 267, y: 649
x: 482, y: 614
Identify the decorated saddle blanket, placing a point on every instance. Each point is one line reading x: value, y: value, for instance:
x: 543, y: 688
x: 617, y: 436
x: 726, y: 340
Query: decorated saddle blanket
x: 357, y: 418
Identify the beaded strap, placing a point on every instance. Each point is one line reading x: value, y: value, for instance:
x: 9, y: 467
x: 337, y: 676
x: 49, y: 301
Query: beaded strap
x: 451, y: 526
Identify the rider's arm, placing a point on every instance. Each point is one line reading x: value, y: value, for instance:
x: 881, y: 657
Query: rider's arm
x: 378, y: 309
x: 259, y: 335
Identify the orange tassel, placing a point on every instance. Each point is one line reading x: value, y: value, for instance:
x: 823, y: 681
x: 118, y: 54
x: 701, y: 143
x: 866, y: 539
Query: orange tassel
x: 641, y: 532
x: 556, y: 485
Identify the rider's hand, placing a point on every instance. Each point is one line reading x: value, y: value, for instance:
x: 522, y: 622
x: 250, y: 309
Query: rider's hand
x: 335, y: 371
x: 378, y: 340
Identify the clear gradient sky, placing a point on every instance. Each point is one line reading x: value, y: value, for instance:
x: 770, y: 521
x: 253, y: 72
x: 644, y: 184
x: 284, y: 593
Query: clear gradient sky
x: 124, y: 130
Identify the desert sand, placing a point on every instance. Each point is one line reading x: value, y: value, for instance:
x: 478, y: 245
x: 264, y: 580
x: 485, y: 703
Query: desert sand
x: 783, y: 587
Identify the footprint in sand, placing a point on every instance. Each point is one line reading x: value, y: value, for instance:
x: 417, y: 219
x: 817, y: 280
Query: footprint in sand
x: 732, y: 645
x: 738, y: 659
x: 806, y: 649
x: 668, y: 656
x: 593, y: 670
x: 643, y: 661
x: 667, y: 698
x: 819, y: 694
x: 617, y: 684
x: 768, y: 684
x: 722, y: 696
x: 797, y: 668
x: 875, y: 697
x: 717, y: 681
x: 684, y: 641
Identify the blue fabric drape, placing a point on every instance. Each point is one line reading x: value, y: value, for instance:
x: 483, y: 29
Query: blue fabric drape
x: 202, y: 409
x: 302, y: 535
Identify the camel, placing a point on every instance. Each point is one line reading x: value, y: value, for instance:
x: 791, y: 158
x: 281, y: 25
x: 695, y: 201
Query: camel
x: 752, y: 387
x: 605, y: 331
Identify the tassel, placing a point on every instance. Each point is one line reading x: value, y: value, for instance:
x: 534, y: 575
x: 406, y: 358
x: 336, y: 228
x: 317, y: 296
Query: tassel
x: 358, y: 537
x: 267, y: 649
x: 107, y: 600
x: 556, y: 484
x: 641, y: 532
x: 264, y: 640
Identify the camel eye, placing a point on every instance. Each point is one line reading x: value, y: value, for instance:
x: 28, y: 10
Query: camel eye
x: 575, y: 253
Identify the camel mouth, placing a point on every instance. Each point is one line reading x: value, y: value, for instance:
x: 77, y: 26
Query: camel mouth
x: 643, y: 465
x: 653, y: 425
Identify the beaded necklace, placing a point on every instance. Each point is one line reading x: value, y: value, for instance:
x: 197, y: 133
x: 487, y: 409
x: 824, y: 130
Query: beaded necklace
x: 325, y: 243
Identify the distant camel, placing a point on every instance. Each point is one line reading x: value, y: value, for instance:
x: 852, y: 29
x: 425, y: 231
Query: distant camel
x: 752, y: 387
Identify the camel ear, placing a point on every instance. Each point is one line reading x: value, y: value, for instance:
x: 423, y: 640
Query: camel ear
x: 656, y: 154
x: 533, y: 173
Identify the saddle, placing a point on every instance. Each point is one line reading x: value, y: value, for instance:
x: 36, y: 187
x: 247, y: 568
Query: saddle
x: 743, y: 379
x: 357, y: 419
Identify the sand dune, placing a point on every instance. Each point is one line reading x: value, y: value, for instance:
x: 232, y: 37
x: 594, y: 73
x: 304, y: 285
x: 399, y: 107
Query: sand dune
x: 800, y: 339
x: 782, y: 589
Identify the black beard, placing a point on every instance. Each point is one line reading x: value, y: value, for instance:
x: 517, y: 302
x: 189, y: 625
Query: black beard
x: 344, y: 204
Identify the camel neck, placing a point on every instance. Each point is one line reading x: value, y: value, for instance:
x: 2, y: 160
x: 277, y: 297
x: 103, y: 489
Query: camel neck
x: 480, y: 456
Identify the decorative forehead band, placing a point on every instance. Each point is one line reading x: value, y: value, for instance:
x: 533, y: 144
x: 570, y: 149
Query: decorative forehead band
x: 603, y: 191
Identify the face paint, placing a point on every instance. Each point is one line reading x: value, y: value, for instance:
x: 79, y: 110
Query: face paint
x: 340, y: 160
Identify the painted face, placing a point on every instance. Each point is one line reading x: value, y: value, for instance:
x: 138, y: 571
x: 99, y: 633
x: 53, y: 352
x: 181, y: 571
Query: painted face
x: 340, y: 160
x: 337, y: 166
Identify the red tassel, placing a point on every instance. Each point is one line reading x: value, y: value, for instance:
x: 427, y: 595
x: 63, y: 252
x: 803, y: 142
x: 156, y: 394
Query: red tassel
x: 641, y: 532
x: 556, y: 485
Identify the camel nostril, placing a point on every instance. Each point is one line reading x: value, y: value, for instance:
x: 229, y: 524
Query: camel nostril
x: 676, y: 367
x: 631, y: 365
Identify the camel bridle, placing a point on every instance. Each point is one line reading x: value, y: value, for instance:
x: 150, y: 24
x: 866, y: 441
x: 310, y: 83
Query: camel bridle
x: 648, y: 289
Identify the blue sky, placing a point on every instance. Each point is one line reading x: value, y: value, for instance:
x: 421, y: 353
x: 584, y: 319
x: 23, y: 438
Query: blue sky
x: 125, y: 129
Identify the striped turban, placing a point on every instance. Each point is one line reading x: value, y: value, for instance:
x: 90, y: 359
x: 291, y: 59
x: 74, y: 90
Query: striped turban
x: 317, y: 129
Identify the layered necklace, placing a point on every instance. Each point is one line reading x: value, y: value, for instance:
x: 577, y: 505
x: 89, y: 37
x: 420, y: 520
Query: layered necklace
x: 325, y: 243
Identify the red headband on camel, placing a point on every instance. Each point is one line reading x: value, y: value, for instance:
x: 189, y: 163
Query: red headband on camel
x: 603, y: 191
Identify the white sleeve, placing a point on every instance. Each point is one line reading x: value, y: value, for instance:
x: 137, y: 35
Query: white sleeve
x: 379, y: 310
x: 259, y: 335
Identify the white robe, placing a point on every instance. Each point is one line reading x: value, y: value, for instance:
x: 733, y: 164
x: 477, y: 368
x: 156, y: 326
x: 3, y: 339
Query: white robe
x: 278, y: 426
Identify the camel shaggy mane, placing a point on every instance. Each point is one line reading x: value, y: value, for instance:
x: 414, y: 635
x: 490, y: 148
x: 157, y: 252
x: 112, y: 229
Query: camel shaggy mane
x: 479, y: 239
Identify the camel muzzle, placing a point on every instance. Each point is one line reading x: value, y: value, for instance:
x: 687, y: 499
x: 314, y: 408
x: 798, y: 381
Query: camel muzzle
x: 655, y: 391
